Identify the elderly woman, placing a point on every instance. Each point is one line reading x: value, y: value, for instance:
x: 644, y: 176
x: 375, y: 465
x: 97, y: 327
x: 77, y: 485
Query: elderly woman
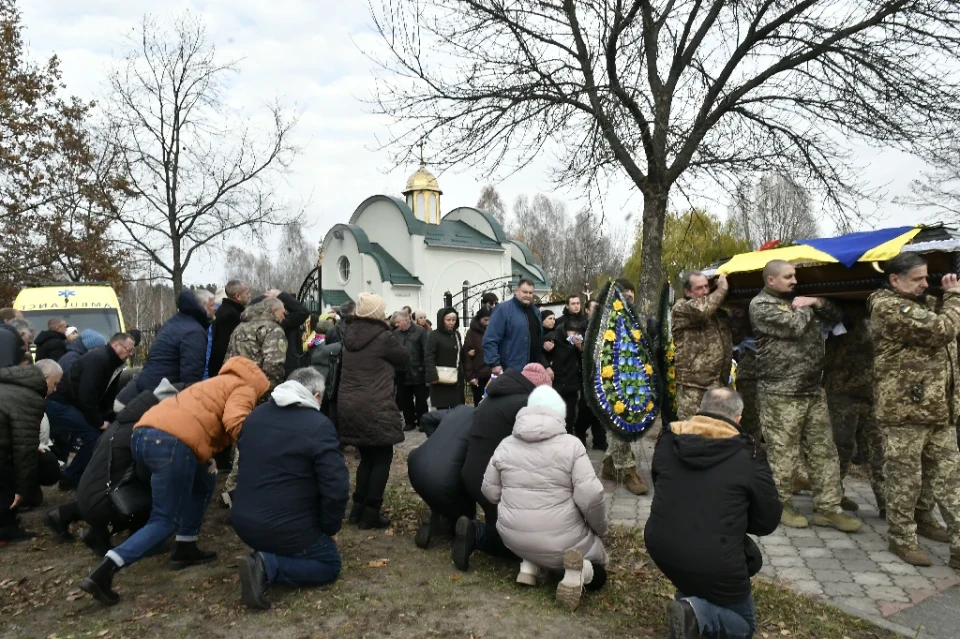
x: 444, y: 374
x: 367, y: 410
x: 176, y: 440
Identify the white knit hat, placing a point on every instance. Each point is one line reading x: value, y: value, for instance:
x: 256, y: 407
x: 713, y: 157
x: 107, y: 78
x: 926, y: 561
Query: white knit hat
x: 372, y: 306
x: 546, y: 397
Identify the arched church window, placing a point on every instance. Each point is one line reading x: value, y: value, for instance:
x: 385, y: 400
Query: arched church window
x: 343, y: 269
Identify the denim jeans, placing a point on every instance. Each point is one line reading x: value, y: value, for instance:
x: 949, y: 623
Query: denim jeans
x: 317, y: 565
x: 733, y: 621
x: 181, y: 489
x: 67, y: 422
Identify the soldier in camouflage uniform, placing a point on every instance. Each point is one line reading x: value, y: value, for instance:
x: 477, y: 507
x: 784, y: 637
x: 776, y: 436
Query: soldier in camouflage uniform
x: 261, y: 339
x: 793, y: 406
x: 746, y: 355
x: 620, y: 461
x: 704, y: 343
x: 848, y: 382
x: 916, y: 395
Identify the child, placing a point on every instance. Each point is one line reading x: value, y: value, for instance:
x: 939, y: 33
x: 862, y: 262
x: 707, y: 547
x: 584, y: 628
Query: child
x: 551, y: 511
x: 564, y: 360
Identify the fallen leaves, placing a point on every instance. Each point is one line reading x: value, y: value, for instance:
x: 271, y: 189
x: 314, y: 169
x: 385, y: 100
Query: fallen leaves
x: 73, y: 595
x: 378, y: 563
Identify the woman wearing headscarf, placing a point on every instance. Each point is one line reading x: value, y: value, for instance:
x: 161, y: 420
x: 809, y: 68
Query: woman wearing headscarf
x: 444, y: 373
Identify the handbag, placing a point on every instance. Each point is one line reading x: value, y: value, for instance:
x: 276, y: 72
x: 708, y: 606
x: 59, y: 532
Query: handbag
x: 449, y: 375
x: 131, y: 498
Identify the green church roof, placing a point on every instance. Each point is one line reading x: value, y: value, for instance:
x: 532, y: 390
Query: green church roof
x: 457, y: 234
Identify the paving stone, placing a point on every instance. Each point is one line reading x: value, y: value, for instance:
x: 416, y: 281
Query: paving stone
x: 781, y: 551
x: 832, y: 575
x: 883, y: 557
x: 936, y: 572
x: 809, y: 587
x: 845, y: 543
x: 860, y: 565
x: 775, y: 541
x: 798, y: 533
x: 826, y: 563
x: 850, y: 554
x: 787, y: 562
x: 807, y: 542
x: 796, y: 574
x: 887, y: 593
x: 862, y: 604
x: 830, y: 533
x: 912, y: 582
x: 898, y: 568
x: 815, y: 553
x: 842, y: 589
x: 872, y: 579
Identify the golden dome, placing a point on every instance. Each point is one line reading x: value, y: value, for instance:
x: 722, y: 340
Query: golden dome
x: 422, y: 180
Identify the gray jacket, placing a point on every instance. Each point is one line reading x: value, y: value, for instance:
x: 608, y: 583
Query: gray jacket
x: 549, y: 496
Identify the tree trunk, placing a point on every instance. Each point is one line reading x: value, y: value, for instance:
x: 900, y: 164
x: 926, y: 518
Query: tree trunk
x: 651, y: 248
x: 177, y: 281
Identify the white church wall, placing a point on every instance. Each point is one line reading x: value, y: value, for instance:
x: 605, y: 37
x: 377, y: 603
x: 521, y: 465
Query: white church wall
x: 336, y: 249
x: 448, y: 269
x: 385, y: 226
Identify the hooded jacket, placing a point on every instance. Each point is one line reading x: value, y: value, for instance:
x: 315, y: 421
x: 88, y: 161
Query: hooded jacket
x: 443, y: 349
x: 22, y: 393
x: 294, y: 485
x: 492, y: 422
x: 367, y: 409
x: 916, y: 358
x: 180, y: 349
x: 414, y: 339
x: 74, y: 351
x: 548, y: 495
x: 473, y: 365
x: 506, y: 342
x: 260, y: 339
x: 208, y: 415
x: 12, y: 349
x: 91, y: 383
x: 291, y: 325
x: 712, y: 486
x: 226, y: 320
x: 50, y: 345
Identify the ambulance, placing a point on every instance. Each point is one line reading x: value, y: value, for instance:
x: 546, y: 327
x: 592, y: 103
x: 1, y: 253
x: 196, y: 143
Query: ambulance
x: 85, y: 305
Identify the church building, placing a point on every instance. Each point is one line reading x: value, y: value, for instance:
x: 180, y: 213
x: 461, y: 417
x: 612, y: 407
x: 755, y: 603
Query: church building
x: 406, y: 252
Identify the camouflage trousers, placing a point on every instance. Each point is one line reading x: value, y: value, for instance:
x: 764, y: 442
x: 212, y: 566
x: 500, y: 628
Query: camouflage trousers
x: 789, y: 422
x: 854, y: 424
x: 750, y: 422
x: 621, y: 452
x: 688, y: 401
x: 232, y: 477
x: 917, y: 456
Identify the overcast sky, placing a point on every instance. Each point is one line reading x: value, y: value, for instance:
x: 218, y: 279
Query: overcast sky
x: 307, y: 53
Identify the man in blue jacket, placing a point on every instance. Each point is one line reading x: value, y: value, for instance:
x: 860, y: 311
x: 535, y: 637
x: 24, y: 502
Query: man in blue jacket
x: 514, y: 335
x: 292, y: 491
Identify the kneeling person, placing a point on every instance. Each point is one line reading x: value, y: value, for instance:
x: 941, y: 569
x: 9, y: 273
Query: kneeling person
x: 292, y: 491
x: 712, y: 487
x: 551, y: 510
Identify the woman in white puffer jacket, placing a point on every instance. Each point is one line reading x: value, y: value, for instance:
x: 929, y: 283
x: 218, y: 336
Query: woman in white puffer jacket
x: 550, y: 502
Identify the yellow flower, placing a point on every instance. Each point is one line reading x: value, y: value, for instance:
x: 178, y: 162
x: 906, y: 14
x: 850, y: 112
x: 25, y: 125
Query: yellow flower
x: 649, y: 406
x: 606, y: 372
x: 636, y: 334
x: 648, y: 368
x: 618, y: 305
x: 673, y: 388
x: 609, y: 335
x: 619, y: 407
x: 671, y: 374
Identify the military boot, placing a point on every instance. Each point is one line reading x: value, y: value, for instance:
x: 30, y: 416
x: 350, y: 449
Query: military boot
x: 848, y: 504
x: 793, y: 519
x: 634, y: 482
x: 840, y: 521
x: 913, y: 556
x: 930, y: 528
x: 607, y: 470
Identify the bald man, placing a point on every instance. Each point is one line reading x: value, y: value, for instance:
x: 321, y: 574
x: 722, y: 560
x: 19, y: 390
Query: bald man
x: 793, y: 406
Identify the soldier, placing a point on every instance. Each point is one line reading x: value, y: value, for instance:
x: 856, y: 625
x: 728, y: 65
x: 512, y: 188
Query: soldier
x: 916, y: 397
x: 848, y: 382
x: 793, y: 406
x: 259, y: 338
x: 704, y: 343
x: 746, y: 354
x: 619, y: 462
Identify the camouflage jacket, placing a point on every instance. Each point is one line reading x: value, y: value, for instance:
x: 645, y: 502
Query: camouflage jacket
x: 704, y: 342
x: 848, y: 362
x: 261, y: 339
x: 789, y: 344
x: 916, y: 357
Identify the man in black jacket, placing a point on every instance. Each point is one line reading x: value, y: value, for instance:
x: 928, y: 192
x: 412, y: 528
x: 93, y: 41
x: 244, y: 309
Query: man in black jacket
x: 16, y: 335
x: 22, y: 393
x: 292, y: 491
x: 52, y: 343
x: 84, y: 396
x: 226, y: 320
x: 722, y: 480
x: 412, y: 390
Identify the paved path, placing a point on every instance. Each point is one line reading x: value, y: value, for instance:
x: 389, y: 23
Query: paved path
x: 853, y: 572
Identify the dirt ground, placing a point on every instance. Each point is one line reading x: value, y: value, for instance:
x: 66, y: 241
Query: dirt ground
x: 388, y: 588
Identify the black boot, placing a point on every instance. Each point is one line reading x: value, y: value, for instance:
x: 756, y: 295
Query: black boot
x: 599, y: 578
x: 59, y: 527
x: 99, y: 583
x: 355, y: 513
x: 372, y: 518
x: 14, y: 532
x: 464, y: 543
x: 253, y: 582
x: 186, y: 554
x: 96, y: 540
x: 438, y: 526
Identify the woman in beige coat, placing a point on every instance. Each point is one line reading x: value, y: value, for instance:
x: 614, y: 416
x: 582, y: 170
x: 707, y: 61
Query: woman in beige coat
x: 550, y: 503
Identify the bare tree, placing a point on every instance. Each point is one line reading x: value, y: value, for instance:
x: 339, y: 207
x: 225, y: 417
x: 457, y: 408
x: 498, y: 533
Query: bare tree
x: 285, y: 267
x: 491, y: 202
x: 938, y: 190
x: 200, y: 173
x: 670, y: 93
x: 774, y: 208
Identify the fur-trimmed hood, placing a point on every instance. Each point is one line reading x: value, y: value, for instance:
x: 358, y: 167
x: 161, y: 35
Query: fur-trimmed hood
x: 706, y: 440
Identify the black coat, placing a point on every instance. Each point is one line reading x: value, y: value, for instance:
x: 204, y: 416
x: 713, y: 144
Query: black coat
x: 12, y: 348
x: 414, y: 339
x: 292, y: 326
x: 564, y: 359
x: 434, y: 467
x: 473, y: 366
x: 95, y: 504
x: 50, y: 345
x: 179, y: 352
x: 367, y: 409
x: 492, y: 423
x: 293, y: 485
x: 711, y: 489
x: 226, y: 320
x: 22, y: 393
x: 92, y: 384
x: 443, y: 349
